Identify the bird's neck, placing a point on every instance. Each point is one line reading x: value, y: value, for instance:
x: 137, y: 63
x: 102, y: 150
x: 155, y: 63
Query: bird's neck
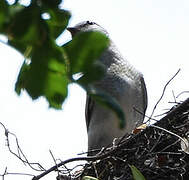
x: 115, y: 62
x: 111, y: 55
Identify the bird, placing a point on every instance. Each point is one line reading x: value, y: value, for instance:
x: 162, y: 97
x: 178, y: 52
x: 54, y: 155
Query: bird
x: 121, y: 81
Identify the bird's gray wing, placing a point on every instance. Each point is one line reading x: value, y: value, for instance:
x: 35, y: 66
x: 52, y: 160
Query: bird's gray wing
x: 88, y: 110
x: 144, y: 92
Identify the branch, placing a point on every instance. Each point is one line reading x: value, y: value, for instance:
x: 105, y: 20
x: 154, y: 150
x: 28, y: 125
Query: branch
x: 89, y: 158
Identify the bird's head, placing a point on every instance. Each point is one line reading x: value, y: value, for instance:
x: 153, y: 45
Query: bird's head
x: 86, y: 26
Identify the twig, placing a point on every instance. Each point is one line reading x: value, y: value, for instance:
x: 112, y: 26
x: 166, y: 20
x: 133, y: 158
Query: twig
x: 54, y: 161
x: 11, y: 173
x: 161, y: 114
x: 181, y: 107
x: 24, y: 159
x: 89, y: 158
x: 174, y: 97
x: 162, y: 94
x: 3, y: 175
x: 182, y: 93
x: 157, y: 127
x: 19, y: 154
x: 145, y: 115
x: 20, y: 174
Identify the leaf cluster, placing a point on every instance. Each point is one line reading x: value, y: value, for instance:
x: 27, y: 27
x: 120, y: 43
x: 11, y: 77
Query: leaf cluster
x: 48, y: 69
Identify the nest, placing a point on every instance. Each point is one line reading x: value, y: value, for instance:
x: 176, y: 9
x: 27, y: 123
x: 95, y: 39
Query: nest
x: 159, y: 152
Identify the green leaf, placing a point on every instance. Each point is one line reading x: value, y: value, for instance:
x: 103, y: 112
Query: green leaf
x: 107, y: 101
x: 137, y: 175
x: 7, y: 16
x: 55, y: 89
x: 84, y: 49
x: 25, y: 26
x: 3, y: 13
x: 21, y: 80
x: 45, y: 75
x: 89, y: 178
x: 58, y: 21
x: 38, y: 81
x: 24, y: 19
x: 51, y: 4
x: 93, y: 73
x: 34, y: 31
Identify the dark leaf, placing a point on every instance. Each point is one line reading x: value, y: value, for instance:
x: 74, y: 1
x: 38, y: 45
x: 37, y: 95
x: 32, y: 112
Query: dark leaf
x: 89, y: 178
x: 7, y: 16
x: 51, y: 3
x: 84, y: 49
x: 109, y: 102
x: 58, y: 21
x: 20, y: 84
x: 45, y: 75
x: 25, y: 19
x: 34, y: 31
x: 93, y: 73
x: 3, y: 13
x: 137, y: 175
x: 55, y: 89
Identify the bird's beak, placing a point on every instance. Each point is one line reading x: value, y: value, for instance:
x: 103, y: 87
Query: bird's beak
x: 72, y: 30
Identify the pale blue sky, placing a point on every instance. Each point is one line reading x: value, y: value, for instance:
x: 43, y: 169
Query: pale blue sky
x: 151, y: 34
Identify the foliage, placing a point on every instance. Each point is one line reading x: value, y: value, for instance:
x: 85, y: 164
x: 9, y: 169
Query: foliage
x: 48, y: 69
x: 137, y: 175
x: 89, y: 178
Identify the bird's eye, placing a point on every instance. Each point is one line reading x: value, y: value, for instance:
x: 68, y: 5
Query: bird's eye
x: 90, y: 23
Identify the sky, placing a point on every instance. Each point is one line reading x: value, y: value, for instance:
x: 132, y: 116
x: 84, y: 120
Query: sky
x: 151, y: 34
